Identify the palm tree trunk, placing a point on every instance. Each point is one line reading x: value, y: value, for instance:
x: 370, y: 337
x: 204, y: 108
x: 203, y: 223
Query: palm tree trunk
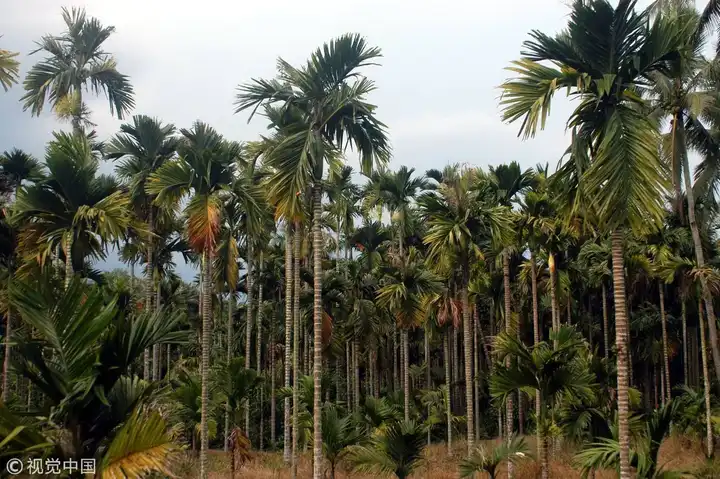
x: 348, y: 374
x: 508, y: 329
x: 606, y: 325
x: 622, y: 344
x: 467, y: 341
x: 406, y: 375
x: 706, y: 382
x: 542, y: 447
x: 259, y: 317
x: 288, y: 339
x: 317, y: 331
x: 666, y: 360
x: 248, y: 325
x: 700, y: 259
x: 683, y: 316
x: 156, y: 359
x: 536, y: 338
x: 395, y: 356
x: 296, y: 349
x: 356, y: 372
x: 205, y: 364
x: 428, y: 377
x: 149, y: 283
x: 6, y: 359
x: 553, y: 294
x: 228, y: 357
x: 448, y: 410
x: 476, y: 369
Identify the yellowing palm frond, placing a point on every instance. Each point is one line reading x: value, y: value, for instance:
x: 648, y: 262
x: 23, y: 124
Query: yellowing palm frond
x: 140, y: 446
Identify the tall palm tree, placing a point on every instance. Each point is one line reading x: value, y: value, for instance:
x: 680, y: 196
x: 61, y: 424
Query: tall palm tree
x: 18, y: 166
x: 8, y: 68
x: 73, y: 208
x: 75, y: 61
x: 407, y: 287
x: 203, y: 170
x: 602, y: 57
x: 683, y: 95
x: 328, y: 93
x: 342, y: 193
x: 461, y: 223
x: 143, y: 146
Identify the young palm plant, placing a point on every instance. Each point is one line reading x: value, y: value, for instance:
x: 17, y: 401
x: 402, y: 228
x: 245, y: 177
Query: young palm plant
x: 543, y: 369
x: 483, y: 460
x: 340, y: 433
x: 396, y: 450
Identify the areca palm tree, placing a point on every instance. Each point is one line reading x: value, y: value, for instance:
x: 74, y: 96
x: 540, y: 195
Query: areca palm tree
x: 73, y: 208
x: 398, y: 450
x: 143, y: 146
x: 461, y: 223
x: 408, y: 285
x: 328, y: 94
x: 75, y: 61
x: 8, y: 68
x: 19, y: 166
x: 204, y: 170
x: 615, y: 143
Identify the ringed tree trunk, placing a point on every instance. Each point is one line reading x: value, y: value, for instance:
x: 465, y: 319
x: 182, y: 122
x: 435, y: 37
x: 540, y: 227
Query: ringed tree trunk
x: 536, y: 337
x: 606, y: 324
x: 448, y: 409
x: 508, y: 329
x: 683, y: 315
x: 272, y: 380
x: 467, y: 342
x: 248, y: 326
x: 699, y: 255
x: 296, y: 349
x: 666, y: 361
x: 258, y: 341
x: 706, y: 383
x: 205, y: 364
x: 6, y: 359
x: 553, y: 293
x: 288, y: 339
x: 406, y: 374
x: 231, y: 304
x: 622, y: 343
x: 317, y: 332
x: 149, y: 284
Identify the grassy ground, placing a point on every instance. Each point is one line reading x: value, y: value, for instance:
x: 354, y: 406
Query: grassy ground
x: 676, y: 453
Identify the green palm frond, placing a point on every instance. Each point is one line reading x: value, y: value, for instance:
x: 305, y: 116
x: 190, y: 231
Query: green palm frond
x: 9, y: 67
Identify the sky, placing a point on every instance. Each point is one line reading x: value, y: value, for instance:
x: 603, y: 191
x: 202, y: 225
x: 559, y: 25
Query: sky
x: 437, y: 86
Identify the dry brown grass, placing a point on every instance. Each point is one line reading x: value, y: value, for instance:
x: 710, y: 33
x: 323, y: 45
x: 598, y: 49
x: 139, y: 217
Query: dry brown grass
x: 676, y: 453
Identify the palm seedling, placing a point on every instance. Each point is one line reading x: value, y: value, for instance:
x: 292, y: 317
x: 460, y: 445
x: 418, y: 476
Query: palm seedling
x: 397, y: 450
x: 489, y: 461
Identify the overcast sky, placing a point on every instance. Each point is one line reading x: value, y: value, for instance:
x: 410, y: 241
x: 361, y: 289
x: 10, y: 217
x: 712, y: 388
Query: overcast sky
x: 437, y: 86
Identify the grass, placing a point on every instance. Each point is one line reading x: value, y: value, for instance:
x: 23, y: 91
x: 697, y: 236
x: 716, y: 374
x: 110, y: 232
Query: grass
x: 676, y: 453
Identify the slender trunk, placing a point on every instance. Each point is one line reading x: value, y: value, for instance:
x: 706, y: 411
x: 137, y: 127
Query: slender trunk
x: 395, y: 356
x: 448, y: 411
x: 467, y: 342
x: 569, y: 310
x: 156, y: 359
x: 248, y: 325
x: 6, y: 359
x: 406, y: 375
x: 288, y: 339
x: 455, y: 370
x: 205, y: 365
x: 542, y: 446
x: 317, y: 331
x: 150, y: 267
x: 622, y: 344
x: 337, y: 247
x: 476, y: 369
x: 259, y: 318
x: 536, y: 339
x: 508, y: 329
x: 356, y: 372
x: 706, y: 383
x: 683, y: 316
x: 428, y: 378
x: 662, y: 383
x: 228, y: 357
x: 606, y: 326
x: 348, y: 374
x: 296, y: 349
x: 700, y: 259
x: 666, y: 355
